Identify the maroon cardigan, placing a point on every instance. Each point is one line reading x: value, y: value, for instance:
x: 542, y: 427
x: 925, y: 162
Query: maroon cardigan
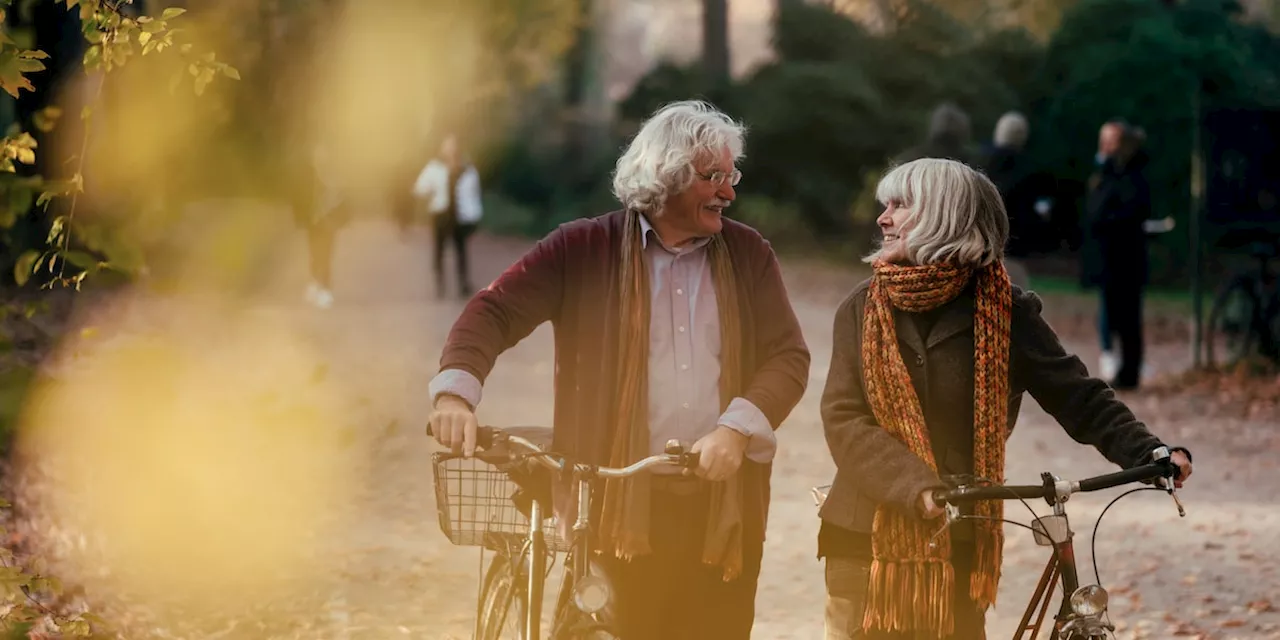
x: 571, y: 279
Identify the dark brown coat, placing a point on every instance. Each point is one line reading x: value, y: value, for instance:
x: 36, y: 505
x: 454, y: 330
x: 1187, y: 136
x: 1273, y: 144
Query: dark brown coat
x: 873, y: 467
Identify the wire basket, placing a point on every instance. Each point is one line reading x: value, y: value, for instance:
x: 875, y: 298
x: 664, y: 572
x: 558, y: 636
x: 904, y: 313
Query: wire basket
x: 474, y: 506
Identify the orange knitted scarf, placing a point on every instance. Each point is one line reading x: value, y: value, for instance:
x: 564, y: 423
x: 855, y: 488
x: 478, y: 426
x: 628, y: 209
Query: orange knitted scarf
x: 912, y: 584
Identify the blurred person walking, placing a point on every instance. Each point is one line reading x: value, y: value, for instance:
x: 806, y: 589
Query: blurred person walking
x: 321, y: 208
x: 1024, y: 191
x: 949, y: 137
x: 1114, y: 253
x: 450, y: 187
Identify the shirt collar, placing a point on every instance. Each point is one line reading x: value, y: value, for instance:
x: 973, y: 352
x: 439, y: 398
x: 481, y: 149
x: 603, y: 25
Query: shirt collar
x: 646, y: 230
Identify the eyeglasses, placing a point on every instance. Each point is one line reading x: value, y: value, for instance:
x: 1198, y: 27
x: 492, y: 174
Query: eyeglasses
x: 718, y: 178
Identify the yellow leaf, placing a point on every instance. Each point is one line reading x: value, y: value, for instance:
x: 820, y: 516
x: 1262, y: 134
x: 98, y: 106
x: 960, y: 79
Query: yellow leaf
x: 25, y: 267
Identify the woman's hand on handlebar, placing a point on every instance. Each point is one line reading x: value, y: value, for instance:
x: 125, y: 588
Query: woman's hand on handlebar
x: 926, y: 507
x: 1183, y: 463
x: 454, y: 424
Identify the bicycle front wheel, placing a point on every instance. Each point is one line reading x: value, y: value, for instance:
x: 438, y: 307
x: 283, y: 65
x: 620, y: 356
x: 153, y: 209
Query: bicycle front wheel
x: 503, y: 602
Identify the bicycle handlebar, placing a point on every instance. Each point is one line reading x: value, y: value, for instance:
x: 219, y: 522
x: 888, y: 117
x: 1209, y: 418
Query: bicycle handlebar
x: 1059, y: 489
x: 486, y: 437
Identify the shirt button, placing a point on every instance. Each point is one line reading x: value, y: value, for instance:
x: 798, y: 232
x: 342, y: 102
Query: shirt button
x: 684, y: 367
x: 685, y: 405
x: 681, y: 329
x: 679, y: 292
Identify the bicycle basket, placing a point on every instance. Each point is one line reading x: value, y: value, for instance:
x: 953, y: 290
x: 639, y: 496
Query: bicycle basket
x: 474, y: 506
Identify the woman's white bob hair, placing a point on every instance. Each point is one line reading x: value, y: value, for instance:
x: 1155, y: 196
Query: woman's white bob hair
x: 659, y: 162
x: 956, y: 213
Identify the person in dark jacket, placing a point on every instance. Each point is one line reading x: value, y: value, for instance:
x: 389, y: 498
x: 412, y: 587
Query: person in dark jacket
x: 1026, y: 191
x: 931, y: 357
x: 1114, y: 254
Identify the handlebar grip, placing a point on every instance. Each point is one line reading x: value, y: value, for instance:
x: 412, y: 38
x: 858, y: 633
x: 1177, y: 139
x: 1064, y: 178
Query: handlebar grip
x: 941, y: 497
x: 484, y: 437
x: 691, y: 459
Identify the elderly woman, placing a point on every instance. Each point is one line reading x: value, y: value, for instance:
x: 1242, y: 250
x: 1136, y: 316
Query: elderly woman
x: 931, y: 357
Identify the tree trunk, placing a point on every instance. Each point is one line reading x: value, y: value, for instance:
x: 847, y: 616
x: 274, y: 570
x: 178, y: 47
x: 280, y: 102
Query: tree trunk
x: 715, y: 41
x: 585, y: 102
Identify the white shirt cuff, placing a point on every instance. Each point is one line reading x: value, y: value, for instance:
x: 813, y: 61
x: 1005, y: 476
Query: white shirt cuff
x: 746, y: 418
x: 456, y: 382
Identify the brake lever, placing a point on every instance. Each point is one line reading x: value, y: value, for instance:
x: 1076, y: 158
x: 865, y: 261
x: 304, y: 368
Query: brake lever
x: 1171, y: 487
x: 951, y: 515
x: 1173, y: 493
x: 1163, y: 456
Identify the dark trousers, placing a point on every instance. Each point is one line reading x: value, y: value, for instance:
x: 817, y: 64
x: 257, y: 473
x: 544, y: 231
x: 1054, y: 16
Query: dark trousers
x: 320, y: 237
x: 445, y: 229
x: 848, y: 582
x: 1122, y: 303
x: 671, y: 594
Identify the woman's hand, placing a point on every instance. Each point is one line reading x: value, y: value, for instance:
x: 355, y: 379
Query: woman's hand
x: 1183, y: 462
x: 926, y: 507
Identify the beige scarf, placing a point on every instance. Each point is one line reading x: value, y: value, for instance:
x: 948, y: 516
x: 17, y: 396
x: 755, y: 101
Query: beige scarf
x: 626, y: 520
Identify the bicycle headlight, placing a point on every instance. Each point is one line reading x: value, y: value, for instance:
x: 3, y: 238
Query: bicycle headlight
x: 1089, y: 600
x: 591, y: 594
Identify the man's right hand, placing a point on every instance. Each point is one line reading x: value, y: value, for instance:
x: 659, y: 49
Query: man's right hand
x: 454, y: 424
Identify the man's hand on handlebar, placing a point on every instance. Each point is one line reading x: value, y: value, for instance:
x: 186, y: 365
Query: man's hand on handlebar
x: 454, y: 424
x: 720, y: 453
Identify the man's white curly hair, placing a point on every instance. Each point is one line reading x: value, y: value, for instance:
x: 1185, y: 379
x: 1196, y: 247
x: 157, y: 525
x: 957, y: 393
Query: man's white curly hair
x: 659, y: 161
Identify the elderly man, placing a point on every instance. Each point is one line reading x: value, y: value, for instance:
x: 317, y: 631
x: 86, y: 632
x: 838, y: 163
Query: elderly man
x: 671, y: 322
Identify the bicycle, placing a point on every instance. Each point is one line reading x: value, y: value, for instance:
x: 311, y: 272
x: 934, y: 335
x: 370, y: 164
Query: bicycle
x: 1245, y: 316
x: 499, y: 500
x: 1083, y: 613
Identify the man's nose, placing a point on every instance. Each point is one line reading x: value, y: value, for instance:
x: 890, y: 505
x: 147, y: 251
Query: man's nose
x: 726, y: 191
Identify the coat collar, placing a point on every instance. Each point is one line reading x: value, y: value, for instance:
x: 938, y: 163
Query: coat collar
x: 955, y: 317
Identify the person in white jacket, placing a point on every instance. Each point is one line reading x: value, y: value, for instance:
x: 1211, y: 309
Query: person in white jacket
x: 450, y: 188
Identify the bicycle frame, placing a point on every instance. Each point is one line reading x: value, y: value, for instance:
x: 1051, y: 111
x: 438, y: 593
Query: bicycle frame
x: 580, y: 548
x: 536, y: 549
x: 1083, y: 612
x: 1061, y: 564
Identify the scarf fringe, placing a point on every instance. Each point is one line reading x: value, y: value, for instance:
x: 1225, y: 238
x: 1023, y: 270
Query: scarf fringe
x: 911, y: 595
x: 984, y: 582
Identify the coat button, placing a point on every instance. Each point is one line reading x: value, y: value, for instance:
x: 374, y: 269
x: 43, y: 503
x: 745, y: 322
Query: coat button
x: 919, y: 360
